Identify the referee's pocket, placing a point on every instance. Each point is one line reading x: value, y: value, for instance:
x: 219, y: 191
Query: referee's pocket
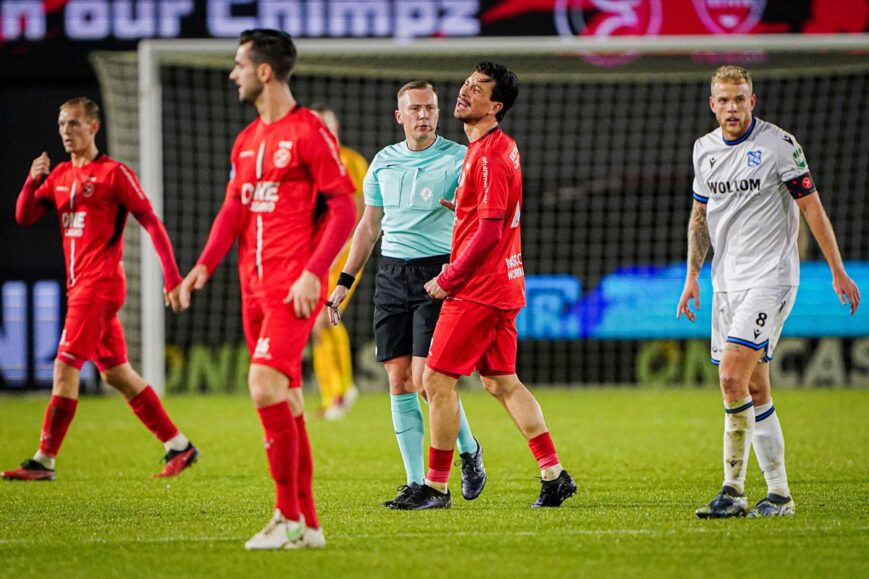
x: 390, y: 181
x: 428, y: 189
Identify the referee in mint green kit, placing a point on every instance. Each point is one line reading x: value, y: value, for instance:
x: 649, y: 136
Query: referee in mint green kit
x: 408, y: 189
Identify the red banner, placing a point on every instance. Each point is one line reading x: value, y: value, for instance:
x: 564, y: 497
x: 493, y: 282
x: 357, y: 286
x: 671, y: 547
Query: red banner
x: 680, y: 17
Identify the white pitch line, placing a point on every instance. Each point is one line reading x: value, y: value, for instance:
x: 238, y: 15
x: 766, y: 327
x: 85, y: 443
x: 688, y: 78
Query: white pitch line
x: 380, y: 536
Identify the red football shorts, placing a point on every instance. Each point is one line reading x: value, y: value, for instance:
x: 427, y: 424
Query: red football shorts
x: 275, y: 336
x: 92, y: 331
x: 471, y: 336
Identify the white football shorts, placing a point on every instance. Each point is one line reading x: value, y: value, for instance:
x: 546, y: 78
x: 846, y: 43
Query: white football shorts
x: 753, y: 318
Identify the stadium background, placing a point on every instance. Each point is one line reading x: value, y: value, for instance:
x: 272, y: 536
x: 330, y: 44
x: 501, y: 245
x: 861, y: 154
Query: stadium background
x: 606, y: 157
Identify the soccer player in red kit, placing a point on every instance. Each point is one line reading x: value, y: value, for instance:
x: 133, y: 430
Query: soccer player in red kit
x: 93, y: 195
x: 484, y: 289
x: 282, y: 163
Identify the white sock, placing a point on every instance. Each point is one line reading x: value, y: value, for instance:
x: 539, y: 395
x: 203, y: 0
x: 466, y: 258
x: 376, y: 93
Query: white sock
x: 738, y: 429
x: 177, y: 443
x: 44, y: 459
x: 769, y: 447
x: 439, y: 487
x: 552, y: 472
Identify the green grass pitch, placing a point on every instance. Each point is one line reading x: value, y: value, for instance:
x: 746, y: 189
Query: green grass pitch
x: 643, y: 459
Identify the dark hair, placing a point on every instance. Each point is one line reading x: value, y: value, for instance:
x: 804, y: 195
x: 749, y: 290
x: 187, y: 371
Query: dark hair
x: 416, y: 85
x: 272, y: 47
x: 91, y: 109
x: 506, y: 87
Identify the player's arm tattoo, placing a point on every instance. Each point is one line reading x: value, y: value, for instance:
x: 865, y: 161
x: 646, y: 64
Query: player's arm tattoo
x: 698, y: 238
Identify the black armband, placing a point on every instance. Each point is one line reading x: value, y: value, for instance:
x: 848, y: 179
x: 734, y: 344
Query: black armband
x: 801, y: 186
x: 346, y: 280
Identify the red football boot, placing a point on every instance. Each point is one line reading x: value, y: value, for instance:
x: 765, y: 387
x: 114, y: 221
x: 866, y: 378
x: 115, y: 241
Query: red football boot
x: 29, y: 470
x: 178, y: 460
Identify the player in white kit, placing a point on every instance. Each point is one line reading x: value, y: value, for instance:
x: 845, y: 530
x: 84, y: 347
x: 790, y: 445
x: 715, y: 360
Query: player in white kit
x: 751, y: 181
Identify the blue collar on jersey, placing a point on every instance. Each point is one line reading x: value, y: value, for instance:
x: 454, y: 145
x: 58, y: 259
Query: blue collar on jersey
x: 744, y: 136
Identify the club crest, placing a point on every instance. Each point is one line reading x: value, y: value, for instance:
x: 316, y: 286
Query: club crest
x: 730, y: 17
x: 754, y: 158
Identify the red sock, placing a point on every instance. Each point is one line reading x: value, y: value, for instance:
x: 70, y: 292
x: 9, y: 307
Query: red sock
x: 305, y: 476
x: 282, y: 451
x: 58, y: 416
x: 544, y: 450
x: 439, y: 463
x: 149, y: 409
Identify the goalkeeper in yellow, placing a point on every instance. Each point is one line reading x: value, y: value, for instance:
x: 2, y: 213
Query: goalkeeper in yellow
x: 332, y: 358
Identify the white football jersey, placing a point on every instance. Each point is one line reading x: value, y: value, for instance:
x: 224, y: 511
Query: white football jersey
x: 753, y: 218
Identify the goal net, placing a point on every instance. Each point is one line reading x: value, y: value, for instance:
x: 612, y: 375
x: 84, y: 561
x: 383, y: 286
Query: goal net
x: 605, y: 135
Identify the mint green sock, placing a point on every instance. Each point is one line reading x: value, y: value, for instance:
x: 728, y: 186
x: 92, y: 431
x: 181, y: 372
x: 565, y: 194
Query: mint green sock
x: 407, y: 420
x: 466, y: 441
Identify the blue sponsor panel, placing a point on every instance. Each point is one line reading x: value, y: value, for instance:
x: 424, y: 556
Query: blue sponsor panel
x: 46, y: 328
x: 639, y: 303
x: 13, y: 333
x: 30, y: 326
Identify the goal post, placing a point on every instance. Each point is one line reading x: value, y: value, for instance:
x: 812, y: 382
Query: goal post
x: 605, y: 127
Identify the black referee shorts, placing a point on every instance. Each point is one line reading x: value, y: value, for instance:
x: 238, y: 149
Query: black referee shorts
x: 404, y: 315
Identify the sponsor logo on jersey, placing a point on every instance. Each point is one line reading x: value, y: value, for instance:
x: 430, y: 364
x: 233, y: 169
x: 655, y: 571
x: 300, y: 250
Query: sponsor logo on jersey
x: 754, y: 158
x: 262, y: 196
x: 789, y: 140
x: 61, y: 189
x: 262, y: 349
x: 800, y: 159
x: 712, y: 162
x: 514, y: 266
x: 245, y: 154
x: 514, y: 156
x: 735, y: 186
x: 485, y: 162
x: 73, y: 223
x: 729, y: 16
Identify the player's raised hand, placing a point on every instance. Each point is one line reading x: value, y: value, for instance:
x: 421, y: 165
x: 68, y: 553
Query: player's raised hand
x: 448, y: 204
x: 339, y: 294
x: 845, y: 288
x: 40, y: 167
x: 691, y: 291
x: 304, y: 294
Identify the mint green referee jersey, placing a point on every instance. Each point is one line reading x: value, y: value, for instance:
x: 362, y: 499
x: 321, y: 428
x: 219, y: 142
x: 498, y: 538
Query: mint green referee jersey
x: 409, y: 186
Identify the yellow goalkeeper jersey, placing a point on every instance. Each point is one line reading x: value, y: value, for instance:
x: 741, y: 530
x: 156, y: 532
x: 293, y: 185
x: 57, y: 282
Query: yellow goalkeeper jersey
x: 357, y: 167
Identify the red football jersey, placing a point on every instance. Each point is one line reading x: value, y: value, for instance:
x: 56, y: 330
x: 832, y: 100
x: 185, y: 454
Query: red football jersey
x: 490, y: 186
x: 277, y: 171
x: 92, y: 204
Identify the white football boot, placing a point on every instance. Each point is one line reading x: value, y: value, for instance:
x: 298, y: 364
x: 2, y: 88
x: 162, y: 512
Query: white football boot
x: 314, y: 539
x: 280, y: 533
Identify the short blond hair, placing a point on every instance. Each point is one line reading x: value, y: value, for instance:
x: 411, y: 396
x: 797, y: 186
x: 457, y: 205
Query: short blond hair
x: 416, y: 85
x: 91, y: 109
x: 731, y: 74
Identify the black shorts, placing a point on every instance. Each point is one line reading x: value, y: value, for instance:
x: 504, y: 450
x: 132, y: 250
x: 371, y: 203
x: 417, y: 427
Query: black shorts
x: 404, y: 315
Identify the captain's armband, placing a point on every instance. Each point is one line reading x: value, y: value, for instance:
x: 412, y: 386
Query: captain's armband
x: 801, y: 186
